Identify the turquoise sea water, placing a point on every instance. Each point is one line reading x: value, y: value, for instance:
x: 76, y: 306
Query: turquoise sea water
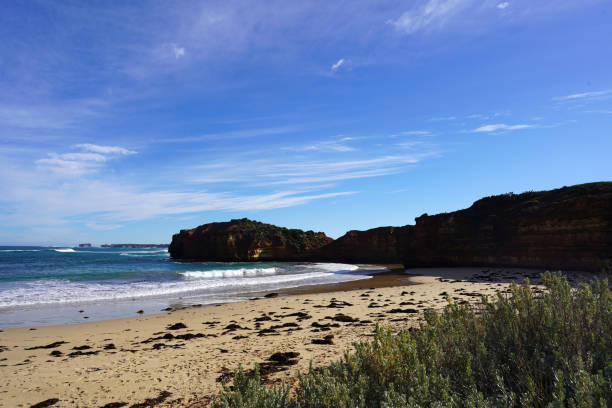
x: 43, y: 285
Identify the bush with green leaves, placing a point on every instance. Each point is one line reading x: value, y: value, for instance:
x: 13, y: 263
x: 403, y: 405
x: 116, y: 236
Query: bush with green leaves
x: 524, y: 349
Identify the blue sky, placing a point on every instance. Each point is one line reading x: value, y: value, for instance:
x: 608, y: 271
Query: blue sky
x: 127, y: 122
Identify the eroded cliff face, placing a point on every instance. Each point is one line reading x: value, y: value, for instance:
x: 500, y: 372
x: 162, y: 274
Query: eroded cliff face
x: 383, y: 245
x: 244, y: 240
x: 568, y: 228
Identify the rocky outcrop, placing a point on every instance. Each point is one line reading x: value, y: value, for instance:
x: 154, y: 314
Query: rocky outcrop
x: 378, y: 245
x: 567, y: 228
x: 245, y: 240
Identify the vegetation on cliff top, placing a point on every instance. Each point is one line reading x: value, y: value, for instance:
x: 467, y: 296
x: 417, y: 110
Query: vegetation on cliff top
x: 294, y: 238
x: 545, y: 198
x: 552, y: 349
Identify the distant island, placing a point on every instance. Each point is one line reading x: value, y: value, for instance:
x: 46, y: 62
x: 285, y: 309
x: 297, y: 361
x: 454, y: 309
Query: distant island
x: 134, y: 245
x: 86, y: 245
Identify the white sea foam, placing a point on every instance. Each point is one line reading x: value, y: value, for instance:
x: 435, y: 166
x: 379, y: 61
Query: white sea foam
x: 19, y: 250
x: 332, y: 267
x: 213, y: 283
x: 143, y: 253
x: 64, y: 250
x: 157, y: 251
x: 231, y: 273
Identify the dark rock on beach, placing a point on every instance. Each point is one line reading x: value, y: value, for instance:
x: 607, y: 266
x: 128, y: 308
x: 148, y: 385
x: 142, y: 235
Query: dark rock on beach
x: 177, y: 326
x: 114, y: 405
x: 48, y: 346
x: 46, y: 403
x: 283, y: 358
x: 329, y: 339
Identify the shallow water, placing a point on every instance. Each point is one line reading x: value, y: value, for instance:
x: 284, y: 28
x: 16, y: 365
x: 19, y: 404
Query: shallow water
x: 43, y: 285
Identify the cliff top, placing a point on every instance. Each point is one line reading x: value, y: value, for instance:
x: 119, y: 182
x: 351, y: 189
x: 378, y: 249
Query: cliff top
x: 531, y: 201
x: 246, y: 225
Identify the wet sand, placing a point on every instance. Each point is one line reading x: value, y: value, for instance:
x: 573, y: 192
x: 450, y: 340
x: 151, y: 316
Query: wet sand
x: 181, y: 357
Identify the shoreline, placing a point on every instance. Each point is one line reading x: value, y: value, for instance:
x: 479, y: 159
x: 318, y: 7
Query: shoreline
x: 76, y: 313
x: 137, y: 358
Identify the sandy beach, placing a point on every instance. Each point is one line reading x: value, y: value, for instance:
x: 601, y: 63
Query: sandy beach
x: 180, y: 358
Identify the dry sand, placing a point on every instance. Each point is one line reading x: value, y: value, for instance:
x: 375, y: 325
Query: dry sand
x: 130, y: 361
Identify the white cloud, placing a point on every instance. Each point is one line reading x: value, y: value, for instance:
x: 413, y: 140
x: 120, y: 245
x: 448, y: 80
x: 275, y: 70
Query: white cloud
x: 233, y: 134
x: 337, y: 64
x: 409, y: 145
x: 52, y: 116
x: 431, y: 14
x: 401, y: 190
x: 103, y: 205
x: 66, y: 167
x: 104, y: 149
x: 442, y: 118
x: 80, y: 163
x: 500, y: 127
x: 583, y: 95
x: 96, y: 157
x: 178, y: 51
x: 102, y: 227
x: 327, y: 146
x: 274, y: 172
x: 478, y: 116
x: 415, y: 133
x: 604, y: 112
x: 503, y: 5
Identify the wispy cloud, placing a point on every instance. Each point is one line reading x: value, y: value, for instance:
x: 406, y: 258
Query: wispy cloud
x: 178, y: 51
x: 57, y: 164
x: 409, y: 145
x: 232, y: 134
x: 52, y: 116
x: 432, y: 13
x: 500, y: 127
x: 584, y: 95
x: 102, y: 227
x: 602, y: 111
x: 442, y: 118
x: 70, y: 188
x: 90, y: 159
x: 412, y: 133
x: 503, y: 5
x: 104, y: 149
x: 325, y: 146
x: 112, y: 204
x: 478, y: 116
x: 338, y: 64
x: 304, y: 171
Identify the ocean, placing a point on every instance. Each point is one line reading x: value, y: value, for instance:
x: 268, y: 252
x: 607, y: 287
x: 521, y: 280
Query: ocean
x: 47, y: 285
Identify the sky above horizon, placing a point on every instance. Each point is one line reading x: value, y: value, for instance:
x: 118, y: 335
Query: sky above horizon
x: 128, y: 121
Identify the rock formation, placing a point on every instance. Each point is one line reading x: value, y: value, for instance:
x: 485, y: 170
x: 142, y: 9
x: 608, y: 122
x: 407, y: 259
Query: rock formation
x: 245, y: 240
x: 567, y: 228
x: 378, y: 245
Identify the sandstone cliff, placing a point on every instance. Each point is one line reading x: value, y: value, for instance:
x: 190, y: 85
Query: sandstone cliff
x: 567, y: 228
x: 245, y: 240
x: 378, y: 245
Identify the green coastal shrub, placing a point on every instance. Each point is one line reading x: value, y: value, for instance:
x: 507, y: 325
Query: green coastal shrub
x: 524, y: 349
